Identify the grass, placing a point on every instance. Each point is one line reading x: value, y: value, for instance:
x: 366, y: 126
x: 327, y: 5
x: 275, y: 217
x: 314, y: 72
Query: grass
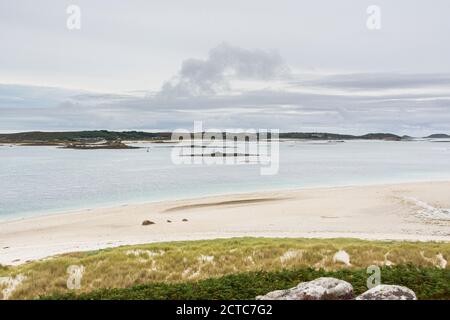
x: 183, y: 263
x: 427, y: 283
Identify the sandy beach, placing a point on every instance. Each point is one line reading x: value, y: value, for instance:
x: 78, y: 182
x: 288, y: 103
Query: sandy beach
x: 410, y: 211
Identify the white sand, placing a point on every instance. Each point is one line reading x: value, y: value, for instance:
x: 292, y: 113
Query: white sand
x: 368, y: 212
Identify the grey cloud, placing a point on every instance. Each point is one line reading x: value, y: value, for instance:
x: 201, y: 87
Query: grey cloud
x: 25, y: 108
x: 377, y: 81
x: 406, y: 114
x: 209, y: 76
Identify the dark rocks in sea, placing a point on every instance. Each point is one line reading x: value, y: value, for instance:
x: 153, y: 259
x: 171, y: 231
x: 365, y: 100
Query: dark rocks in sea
x: 96, y: 146
x: 147, y: 222
x: 184, y: 220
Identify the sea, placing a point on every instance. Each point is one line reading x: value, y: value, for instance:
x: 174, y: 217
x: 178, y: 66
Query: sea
x: 41, y: 180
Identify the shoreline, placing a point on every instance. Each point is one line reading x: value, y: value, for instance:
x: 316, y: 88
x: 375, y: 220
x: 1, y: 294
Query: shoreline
x: 375, y: 212
x: 30, y: 215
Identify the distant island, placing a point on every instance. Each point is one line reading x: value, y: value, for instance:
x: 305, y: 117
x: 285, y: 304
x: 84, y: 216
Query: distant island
x: 438, y: 136
x: 104, y: 139
x: 84, y: 140
x: 333, y: 136
x: 39, y: 137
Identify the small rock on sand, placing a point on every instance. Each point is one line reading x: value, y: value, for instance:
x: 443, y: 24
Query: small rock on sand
x: 147, y: 222
x: 184, y: 220
x: 169, y: 221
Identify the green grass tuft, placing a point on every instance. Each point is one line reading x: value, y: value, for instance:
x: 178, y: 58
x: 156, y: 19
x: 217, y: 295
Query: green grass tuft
x: 427, y: 283
x: 173, y: 263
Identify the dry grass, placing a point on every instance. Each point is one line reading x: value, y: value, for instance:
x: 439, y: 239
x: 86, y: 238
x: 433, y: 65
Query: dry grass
x: 194, y: 260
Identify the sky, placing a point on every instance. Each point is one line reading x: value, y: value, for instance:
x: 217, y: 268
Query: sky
x: 291, y: 65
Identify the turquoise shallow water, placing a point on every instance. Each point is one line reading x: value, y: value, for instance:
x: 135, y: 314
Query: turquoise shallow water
x: 42, y: 180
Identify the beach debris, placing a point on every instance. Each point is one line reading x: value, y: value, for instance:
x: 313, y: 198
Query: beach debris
x: 442, y: 263
x: 154, y: 266
x: 204, y: 258
x: 387, y: 262
x: 184, y: 220
x: 290, y: 254
x: 427, y: 211
x: 422, y: 254
x: 388, y: 292
x: 249, y: 259
x: 324, y: 288
x: 149, y: 253
x: 342, y: 257
x: 147, y: 222
x: 190, y: 273
x: 11, y: 284
x: 439, y: 261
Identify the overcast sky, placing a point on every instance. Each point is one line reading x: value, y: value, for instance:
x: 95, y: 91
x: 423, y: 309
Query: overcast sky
x: 289, y: 64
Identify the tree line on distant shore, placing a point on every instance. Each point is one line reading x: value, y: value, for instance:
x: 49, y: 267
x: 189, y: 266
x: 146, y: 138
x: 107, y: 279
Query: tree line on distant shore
x: 99, y: 135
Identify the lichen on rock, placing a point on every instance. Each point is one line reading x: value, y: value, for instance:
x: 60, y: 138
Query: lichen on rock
x: 388, y: 292
x: 319, y: 289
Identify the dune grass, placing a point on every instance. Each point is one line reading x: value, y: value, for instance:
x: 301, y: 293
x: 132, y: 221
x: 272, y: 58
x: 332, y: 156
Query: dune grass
x: 185, y: 262
x: 427, y: 283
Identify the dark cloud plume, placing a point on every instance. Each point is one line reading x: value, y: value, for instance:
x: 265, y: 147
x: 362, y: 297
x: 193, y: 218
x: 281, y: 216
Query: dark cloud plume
x: 224, y: 62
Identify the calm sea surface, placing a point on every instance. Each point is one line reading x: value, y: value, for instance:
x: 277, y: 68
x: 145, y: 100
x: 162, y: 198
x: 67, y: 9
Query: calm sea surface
x: 42, y: 180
